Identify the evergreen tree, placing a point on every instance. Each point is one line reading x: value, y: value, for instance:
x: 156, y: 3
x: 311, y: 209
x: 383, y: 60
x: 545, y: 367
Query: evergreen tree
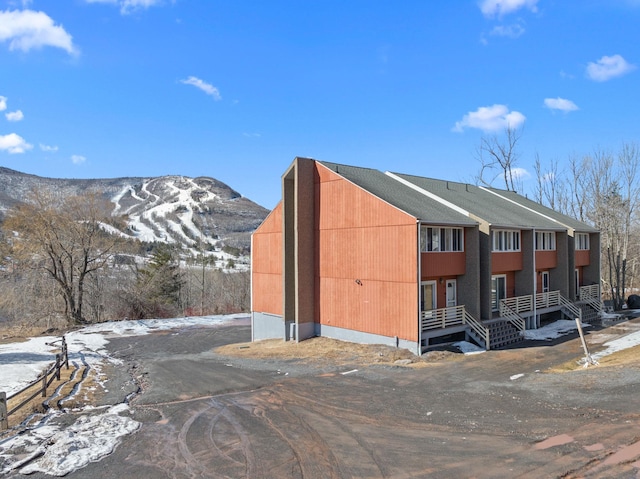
x: 158, y: 286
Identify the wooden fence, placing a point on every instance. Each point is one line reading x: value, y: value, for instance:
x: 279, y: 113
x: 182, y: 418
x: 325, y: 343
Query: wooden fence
x: 41, y: 384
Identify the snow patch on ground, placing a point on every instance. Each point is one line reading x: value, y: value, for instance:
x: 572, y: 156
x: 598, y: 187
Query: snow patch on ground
x: 554, y: 330
x: 57, y: 450
x: 626, y: 342
x: 466, y: 347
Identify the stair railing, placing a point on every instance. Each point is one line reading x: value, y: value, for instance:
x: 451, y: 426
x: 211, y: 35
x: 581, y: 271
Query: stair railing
x: 569, y: 306
x: 513, y: 317
x: 480, y: 329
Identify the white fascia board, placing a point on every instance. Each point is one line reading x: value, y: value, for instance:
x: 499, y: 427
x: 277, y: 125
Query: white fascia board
x: 428, y: 194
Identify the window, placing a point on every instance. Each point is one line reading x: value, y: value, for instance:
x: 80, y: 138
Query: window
x: 545, y: 281
x: 428, y: 296
x: 441, y: 239
x: 582, y: 241
x: 545, y: 240
x: 506, y: 240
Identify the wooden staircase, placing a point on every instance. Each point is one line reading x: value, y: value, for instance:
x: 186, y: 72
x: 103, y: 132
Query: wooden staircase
x: 503, y: 333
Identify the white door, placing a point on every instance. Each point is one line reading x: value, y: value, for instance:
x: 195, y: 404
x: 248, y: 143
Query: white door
x: 452, y: 293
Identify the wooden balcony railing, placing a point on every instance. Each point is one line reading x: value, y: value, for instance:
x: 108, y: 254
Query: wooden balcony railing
x: 453, y: 316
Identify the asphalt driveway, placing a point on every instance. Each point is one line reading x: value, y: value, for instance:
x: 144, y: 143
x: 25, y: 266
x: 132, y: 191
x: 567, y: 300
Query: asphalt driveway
x: 492, y: 415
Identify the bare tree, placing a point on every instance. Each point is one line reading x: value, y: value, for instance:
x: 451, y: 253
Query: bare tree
x: 612, y: 200
x: 578, y: 190
x: 549, y: 184
x: 498, y: 157
x: 65, y: 238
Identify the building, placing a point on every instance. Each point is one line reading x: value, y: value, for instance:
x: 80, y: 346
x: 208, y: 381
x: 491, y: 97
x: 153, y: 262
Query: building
x: 360, y: 255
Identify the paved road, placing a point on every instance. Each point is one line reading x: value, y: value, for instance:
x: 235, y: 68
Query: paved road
x: 206, y: 416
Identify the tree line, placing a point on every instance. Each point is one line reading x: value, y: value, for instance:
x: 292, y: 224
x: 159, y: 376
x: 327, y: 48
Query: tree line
x: 600, y: 188
x: 63, y: 262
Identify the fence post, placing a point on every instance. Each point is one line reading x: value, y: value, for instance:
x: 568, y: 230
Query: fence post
x: 65, y: 352
x: 58, y: 367
x: 4, y: 416
x: 44, y: 384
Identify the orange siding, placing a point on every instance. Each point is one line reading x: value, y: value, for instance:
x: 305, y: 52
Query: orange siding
x: 360, y: 237
x: 506, y: 261
x: 437, y: 264
x: 378, y: 307
x: 582, y: 258
x: 266, y: 267
x: 511, y: 284
x: 546, y: 260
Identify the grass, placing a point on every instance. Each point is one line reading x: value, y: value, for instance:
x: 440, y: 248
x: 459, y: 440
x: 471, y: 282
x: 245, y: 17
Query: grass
x: 327, y: 350
x: 629, y: 357
x: 36, y: 405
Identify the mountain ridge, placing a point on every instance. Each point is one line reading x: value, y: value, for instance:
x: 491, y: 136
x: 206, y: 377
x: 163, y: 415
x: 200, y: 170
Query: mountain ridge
x: 196, y: 213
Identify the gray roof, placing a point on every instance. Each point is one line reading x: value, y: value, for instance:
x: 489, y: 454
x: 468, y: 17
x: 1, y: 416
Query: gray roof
x: 401, y: 196
x: 569, y: 221
x: 483, y: 204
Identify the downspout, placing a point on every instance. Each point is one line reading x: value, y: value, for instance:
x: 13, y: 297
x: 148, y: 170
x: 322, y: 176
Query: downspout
x: 419, y: 286
x: 535, y: 280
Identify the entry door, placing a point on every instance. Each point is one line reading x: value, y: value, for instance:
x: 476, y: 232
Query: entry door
x: 452, y: 293
x: 545, y: 281
x: 498, y: 291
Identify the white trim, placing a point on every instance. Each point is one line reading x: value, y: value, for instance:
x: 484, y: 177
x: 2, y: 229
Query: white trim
x: 428, y: 194
x: 525, y: 207
x: 434, y: 298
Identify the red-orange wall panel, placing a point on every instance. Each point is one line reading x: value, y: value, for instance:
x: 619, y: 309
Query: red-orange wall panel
x: 267, y: 293
x: 582, y: 258
x: 546, y: 260
x: 440, y: 264
x: 377, y: 307
x: 506, y: 261
x: 511, y: 284
x: 266, y: 265
x: 386, y: 253
x: 360, y: 237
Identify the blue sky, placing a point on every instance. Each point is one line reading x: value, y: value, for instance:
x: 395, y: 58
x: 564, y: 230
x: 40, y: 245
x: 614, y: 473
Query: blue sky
x: 236, y: 89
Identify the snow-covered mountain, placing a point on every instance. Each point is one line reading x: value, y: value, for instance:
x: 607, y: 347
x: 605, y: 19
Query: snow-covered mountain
x: 198, y: 213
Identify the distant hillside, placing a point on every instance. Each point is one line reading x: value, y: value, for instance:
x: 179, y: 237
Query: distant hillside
x: 171, y: 209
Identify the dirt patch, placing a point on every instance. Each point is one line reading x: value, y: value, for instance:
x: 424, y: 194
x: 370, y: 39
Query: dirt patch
x: 36, y: 404
x: 329, y: 350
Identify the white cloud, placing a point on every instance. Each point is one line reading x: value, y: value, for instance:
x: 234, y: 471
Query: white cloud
x: 204, y: 86
x: 512, y: 31
x: 13, y: 143
x: 78, y: 159
x: 520, y: 173
x: 129, y: 6
x: 48, y: 148
x: 3, y: 103
x: 492, y: 8
x: 14, y: 115
x: 608, y: 67
x: 490, y: 118
x: 561, y: 104
x: 27, y: 29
